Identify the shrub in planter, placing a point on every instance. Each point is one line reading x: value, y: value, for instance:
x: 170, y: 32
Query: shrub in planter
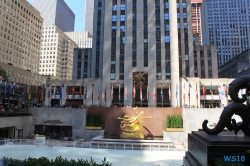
x: 59, y: 161
x: 174, y: 121
x: 94, y: 120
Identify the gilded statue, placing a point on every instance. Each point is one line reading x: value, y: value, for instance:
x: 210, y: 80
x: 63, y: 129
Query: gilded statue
x: 132, y: 125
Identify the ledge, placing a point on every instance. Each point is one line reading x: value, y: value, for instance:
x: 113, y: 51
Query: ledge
x: 93, y: 127
x: 174, y: 129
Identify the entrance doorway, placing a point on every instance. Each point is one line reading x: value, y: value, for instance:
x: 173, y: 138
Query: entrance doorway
x: 53, y: 132
x: 140, y: 89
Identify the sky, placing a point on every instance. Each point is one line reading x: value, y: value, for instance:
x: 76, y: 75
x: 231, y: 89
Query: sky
x: 78, y: 7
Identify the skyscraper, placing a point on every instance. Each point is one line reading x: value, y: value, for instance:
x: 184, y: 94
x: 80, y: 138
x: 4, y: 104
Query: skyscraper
x: 56, y: 53
x: 142, y: 43
x: 89, y: 14
x: 56, y: 12
x: 196, y: 17
x: 226, y: 24
x: 20, y: 35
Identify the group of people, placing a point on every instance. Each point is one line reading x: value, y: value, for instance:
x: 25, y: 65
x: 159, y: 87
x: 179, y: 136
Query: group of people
x: 12, y: 107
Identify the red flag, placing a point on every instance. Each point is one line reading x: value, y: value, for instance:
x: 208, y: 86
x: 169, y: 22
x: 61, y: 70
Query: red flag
x: 204, y: 91
x: 169, y: 92
x: 36, y: 91
x: 98, y: 97
x: 42, y: 93
x: 141, y: 92
x: 154, y: 94
x: 134, y: 91
x: 105, y: 92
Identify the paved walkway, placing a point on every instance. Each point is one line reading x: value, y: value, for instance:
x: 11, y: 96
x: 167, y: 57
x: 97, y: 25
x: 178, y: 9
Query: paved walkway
x: 115, y: 157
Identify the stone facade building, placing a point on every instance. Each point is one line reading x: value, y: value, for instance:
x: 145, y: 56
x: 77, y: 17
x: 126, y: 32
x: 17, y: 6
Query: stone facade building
x: 20, y: 35
x: 56, y: 53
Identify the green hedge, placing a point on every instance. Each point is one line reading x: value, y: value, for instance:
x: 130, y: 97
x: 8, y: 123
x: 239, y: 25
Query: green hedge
x: 15, y: 114
x: 174, y: 121
x: 94, y: 120
x: 59, y: 161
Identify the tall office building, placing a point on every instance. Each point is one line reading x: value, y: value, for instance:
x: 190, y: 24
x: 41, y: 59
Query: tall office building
x: 82, y: 38
x: 196, y: 17
x: 56, y: 53
x: 141, y: 45
x: 226, y: 24
x: 56, y: 12
x: 89, y: 14
x: 20, y: 35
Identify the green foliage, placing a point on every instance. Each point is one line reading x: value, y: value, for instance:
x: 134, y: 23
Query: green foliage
x: 59, y: 161
x: 3, y: 73
x: 94, y: 120
x: 15, y: 114
x: 174, y: 121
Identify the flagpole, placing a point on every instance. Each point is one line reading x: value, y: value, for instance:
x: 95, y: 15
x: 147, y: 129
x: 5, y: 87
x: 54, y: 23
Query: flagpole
x: 92, y: 94
x: 204, y: 94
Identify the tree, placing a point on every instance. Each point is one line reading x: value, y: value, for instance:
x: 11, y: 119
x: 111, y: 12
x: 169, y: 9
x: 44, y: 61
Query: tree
x: 3, y: 73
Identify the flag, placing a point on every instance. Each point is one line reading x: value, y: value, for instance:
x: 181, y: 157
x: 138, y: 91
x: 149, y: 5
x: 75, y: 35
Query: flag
x: 189, y: 85
x: 67, y: 91
x: 36, y: 91
x: 98, y: 96
x: 184, y: 94
x: 48, y: 92
x: 211, y: 91
x: 92, y: 92
x: 28, y: 92
x: 5, y: 87
x: 119, y: 92
x: 60, y: 92
x: 105, y: 92
x: 154, y: 94
x: 85, y: 92
x: 204, y: 91
x: 80, y: 94
x: 13, y: 88
x: 126, y: 92
x: 176, y: 91
x: 54, y: 92
x: 196, y: 91
x: 73, y: 92
x: 225, y: 90
x: 148, y: 92
x: 161, y: 93
x: 141, y: 92
x: 134, y: 91
x: 24, y: 92
x: 220, y: 92
x: 42, y: 93
x: 169, y: 92
x: 112, y: 91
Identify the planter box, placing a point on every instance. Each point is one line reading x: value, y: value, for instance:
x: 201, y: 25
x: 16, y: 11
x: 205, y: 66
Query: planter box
x: 93, y: 127
x: 174, y: 129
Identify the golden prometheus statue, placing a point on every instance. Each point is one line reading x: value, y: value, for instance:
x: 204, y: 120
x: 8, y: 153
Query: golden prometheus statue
x: 132, y: 125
